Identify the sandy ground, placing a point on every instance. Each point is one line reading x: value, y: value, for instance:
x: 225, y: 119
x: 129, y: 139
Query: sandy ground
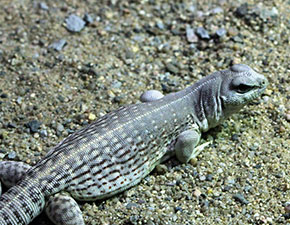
x: 54, y: 81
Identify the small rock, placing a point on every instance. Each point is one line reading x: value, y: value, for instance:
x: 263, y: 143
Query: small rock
x: 286, y: 216
x: 202, y: 178
x: 92, y: 116
x: 221, y: 32
x: 160, y: 25
x: 287, y: 207
x: 131, y: 205
x: 216, y: 10
x: 59, y: 127
x: 19, y: 100
x: 241, y: 199
x: 43, y: 6
x: 193, y: 162
x: 235, y: 137
x: 58, y: 45
x: 172, y: 68
x: 33, y: 125
x: 265, y: 13
x: 219, y: 170
x: 11, y: 155
x: 227, y: 188
x: 238, y: 39
x: 202, y: 33
x: 2, y: 73
x: 197, y: 193
x: 11, y: 125
x: 247, y: 188
x: 161, y: 169
x: 134, y: 219
x: 43, y: 133
x: 4, y: 95
x: 74, y: 23
x: 288, y: 117
x: 190, y: 35
x: 88, y: 18
x: 242, y: 10
x: 178, y: 208
x: 209, y: 177
x: 191, y: 8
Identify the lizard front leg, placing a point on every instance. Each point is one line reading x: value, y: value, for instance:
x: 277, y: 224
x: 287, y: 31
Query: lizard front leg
x: 186, y: 145
x: 60, y: 208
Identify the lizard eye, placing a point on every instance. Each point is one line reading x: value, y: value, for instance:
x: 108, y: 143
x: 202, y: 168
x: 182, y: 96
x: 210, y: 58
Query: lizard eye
x: 243, y: 88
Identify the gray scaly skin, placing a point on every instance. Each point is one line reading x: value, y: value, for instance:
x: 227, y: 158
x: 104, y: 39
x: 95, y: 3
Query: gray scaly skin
x: 119, y: 149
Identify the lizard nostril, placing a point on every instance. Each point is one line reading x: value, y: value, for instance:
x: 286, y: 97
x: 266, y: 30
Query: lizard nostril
x: 264, y: 82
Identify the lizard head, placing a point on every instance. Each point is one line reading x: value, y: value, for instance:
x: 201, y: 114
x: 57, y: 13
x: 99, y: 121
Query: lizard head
x: 240, y: 85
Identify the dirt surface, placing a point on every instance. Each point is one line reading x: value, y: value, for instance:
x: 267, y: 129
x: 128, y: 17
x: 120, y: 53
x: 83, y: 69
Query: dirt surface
x: 56, y: 76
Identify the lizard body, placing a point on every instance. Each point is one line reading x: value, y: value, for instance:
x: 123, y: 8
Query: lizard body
x: 119, y: 149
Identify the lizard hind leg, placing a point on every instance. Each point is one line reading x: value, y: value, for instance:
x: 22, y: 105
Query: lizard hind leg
x: 11, y: 172
x: 62, y: 209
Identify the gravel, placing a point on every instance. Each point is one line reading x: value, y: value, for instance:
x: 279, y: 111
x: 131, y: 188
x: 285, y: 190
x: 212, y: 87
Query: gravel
x: 74, y: 23
x: 127, y: 48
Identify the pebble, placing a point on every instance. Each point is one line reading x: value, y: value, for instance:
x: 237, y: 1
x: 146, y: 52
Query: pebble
x: 287, y: 207
x: 216, y: 10
x: 43, y: 133
x: 241, y: 199
x: 197, y: 193
x: 43, y: 6
x: 202, y: 178
x: 132, y: 205
x: 11, y: 155
x: 172, y: 68
x: 242, y: 10
x: 4, y: 95
x: 193, y: 162
x: 74, y: 23
x: 190, y: 35
x: 221, y: 32
x: 92, y: 117
x: 219, y: 170
x: 11, y: 125
x: 202, y: 33
x: 209, y: 177
x: 59, y: 127
x: 235, y: 137
x: 265, y: 13
x: 58, y: 45
x: 33, y: 125
x: 88, y: 18
x: 161, y: 169
x: 178, y: 208
x: 287, y: 117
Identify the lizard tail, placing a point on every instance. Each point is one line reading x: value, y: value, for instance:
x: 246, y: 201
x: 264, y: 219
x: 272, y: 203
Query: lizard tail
x: 21, y: 204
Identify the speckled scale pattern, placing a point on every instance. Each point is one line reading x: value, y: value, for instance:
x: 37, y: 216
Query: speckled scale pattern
x: 24, y: 207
